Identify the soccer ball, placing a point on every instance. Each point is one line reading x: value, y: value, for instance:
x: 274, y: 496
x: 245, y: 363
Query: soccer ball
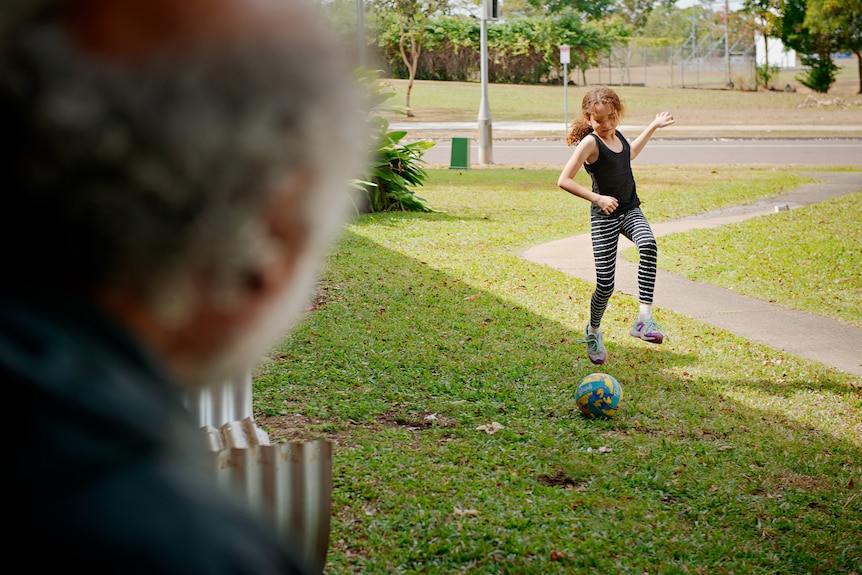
x: 599, y: 396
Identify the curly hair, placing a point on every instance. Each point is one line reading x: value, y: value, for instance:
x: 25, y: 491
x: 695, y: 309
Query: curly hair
x: 130, y: 174
x: 581, y: 126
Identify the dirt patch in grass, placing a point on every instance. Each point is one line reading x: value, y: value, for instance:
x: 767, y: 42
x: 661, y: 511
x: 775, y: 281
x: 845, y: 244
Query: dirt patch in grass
x: 296, y: 427
x: 559, y: 479
x: 798, y: 481
x: 290, y: 427
x: 321, y: 296
x: 415, y: 421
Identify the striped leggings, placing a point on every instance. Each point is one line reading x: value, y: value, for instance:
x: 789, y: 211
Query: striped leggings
x: 605, y: 235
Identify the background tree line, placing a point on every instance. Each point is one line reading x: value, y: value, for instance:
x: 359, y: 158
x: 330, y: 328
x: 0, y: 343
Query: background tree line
x: 439, y: 39
x: 520, y: 50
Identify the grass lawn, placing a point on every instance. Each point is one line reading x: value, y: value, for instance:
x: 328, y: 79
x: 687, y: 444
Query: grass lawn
x: 433, y: 101
x: 808, y: 259
x: 727, y: 456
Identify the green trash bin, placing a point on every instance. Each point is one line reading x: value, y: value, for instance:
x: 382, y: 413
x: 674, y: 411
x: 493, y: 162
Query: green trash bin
x: 460, y: 154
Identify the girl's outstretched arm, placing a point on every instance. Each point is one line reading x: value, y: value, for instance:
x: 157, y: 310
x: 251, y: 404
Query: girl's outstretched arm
x: 662, y: 119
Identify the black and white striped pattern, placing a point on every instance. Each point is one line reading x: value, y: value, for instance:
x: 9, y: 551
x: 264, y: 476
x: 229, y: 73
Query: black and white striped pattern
x: 605, y: 235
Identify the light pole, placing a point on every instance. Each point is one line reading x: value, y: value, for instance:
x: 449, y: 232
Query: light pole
x: 489, y: 11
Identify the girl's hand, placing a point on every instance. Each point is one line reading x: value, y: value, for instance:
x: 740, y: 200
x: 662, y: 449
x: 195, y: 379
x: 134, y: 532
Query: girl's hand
x: 663, y: 119
x: 607, y: 204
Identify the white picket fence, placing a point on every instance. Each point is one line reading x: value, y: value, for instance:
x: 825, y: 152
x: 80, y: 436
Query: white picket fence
x: 288, y: 484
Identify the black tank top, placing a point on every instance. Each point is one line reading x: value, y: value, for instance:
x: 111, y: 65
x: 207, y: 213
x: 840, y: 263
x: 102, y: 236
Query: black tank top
x: 612, y: 176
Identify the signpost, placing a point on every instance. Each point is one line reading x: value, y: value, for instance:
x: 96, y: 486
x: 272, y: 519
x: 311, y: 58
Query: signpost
x: 565, y: 58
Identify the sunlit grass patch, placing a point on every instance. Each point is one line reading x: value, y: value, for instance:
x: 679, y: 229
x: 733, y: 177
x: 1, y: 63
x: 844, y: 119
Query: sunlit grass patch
x: 807, y: 258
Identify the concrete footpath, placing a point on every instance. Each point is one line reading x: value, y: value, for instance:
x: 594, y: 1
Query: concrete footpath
x: 828, y: 341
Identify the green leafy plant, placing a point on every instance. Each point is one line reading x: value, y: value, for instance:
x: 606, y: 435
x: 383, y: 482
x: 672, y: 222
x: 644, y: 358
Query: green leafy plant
x: 766, y: 73
x: 395, y: 168
x: 819, y: 73
x: 521, y: 50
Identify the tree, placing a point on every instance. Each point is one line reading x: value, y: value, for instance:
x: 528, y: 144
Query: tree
x: 593, y: 8
x: 816, y: 46
x: 766, y: 16
x: 842, y: 21
x: 635, y: 12
x: 411, y: 15
x: 668, y: 22
x: 586, y: 39
x: 515, y: 8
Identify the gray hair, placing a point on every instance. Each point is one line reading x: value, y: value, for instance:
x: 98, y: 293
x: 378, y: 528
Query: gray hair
x: 130, y: 174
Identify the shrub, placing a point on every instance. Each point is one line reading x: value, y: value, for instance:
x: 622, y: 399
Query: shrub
x: 395, y: 167
x: 520, y: 50
x: 765, y: 73
x: 820, y: 72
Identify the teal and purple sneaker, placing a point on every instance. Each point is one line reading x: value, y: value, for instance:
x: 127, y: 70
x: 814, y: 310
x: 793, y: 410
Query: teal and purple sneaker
x: 647, y: 329
x: 595, y: 347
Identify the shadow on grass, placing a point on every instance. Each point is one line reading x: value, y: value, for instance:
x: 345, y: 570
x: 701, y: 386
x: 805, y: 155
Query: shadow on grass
x: 398, y: 219
x: 425, y: 332
x: 701, y: 473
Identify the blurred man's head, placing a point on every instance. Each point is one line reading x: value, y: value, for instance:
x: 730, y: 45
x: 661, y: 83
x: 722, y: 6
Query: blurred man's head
x: 183, y: 164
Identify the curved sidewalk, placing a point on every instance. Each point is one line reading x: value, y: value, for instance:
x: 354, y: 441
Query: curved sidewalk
x: 825, y: 340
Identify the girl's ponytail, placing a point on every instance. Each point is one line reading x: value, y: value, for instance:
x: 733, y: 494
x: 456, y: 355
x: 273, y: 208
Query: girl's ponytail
x: 580, y: 129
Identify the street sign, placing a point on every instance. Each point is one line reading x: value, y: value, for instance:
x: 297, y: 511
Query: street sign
x: 565, y: 54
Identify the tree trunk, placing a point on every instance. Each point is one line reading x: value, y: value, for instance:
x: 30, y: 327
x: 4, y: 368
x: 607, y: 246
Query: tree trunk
x: 859, y: 64
x: 628, y: 68
x: 411, y: 62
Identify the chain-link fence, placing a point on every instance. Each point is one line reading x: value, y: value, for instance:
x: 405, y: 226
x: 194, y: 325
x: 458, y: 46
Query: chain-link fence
x: 706, y: 64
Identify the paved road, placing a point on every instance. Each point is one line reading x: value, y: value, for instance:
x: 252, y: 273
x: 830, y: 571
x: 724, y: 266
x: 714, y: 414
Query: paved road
x: 806, y: 151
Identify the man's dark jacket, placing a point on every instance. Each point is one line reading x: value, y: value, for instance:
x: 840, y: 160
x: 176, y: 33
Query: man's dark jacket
x: 107, y: 471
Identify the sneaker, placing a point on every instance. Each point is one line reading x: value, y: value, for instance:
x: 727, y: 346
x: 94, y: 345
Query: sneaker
x: 648, y: 330
x: 595, y: 348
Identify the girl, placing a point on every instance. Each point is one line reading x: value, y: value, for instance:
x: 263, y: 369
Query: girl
x: 606, y: 155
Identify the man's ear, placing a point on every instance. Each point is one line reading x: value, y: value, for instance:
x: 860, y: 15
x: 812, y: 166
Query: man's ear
x: 215, y: 327
x: 287, y: 236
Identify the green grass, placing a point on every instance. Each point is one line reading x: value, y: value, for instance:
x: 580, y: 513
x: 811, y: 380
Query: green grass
x: 667, y: 192
x: 459, y: 101
x: 433, y: 101
x: 727, y: 456
x: 808, y: 259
